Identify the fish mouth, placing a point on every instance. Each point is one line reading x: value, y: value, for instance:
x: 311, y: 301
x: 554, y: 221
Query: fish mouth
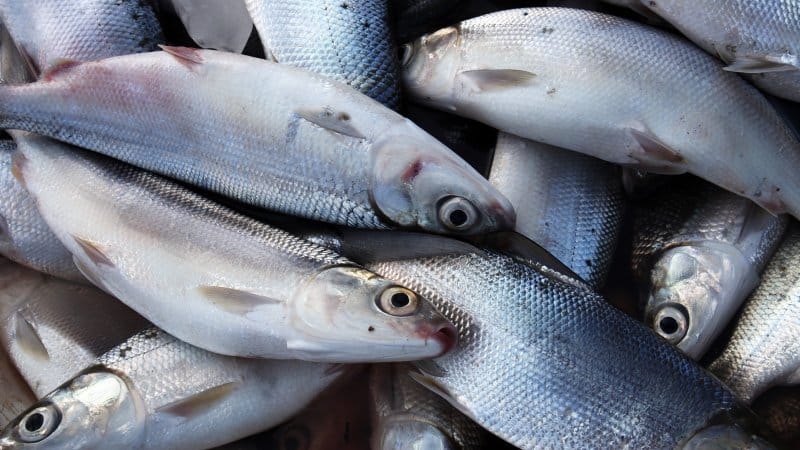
x: 445, y: 336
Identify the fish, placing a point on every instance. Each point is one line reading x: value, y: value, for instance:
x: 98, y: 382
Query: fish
x: 155, y: 391
x: 406, y: 415
x: 613, y: 89
x: 636, y: 6
x: 344, y: 40
x: 780, y: 409
x: 51, y: 329
x: 758, y: 40
x: 17, y: 396
x: 526, y: 365
x: 762, y: 350
x: 324, y: 152
x: 570, y: 204
x: 698, y: 252
x: 217, y: 24
x: 47, y: 32
x: 253, y: 290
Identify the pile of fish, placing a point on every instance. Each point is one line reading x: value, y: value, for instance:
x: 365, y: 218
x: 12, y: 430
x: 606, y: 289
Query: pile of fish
x: 399, y: 224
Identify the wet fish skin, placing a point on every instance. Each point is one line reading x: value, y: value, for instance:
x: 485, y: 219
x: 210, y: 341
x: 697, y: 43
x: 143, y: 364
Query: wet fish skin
x: 762, y: 351
x: 698, y: 252
x: 406, y: 415
x: 17, y: 396
x: 154, y: 391
x: 324, y: 152
x: 51, y: 329
x: 347, y: 41
x: 609, y: 88
x: 257, y: 290
x: 756, y: 39
x: 780, y: 409
x: 568, y: 203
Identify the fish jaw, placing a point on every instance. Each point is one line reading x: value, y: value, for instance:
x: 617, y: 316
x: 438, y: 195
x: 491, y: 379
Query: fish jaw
x: 336, y: 317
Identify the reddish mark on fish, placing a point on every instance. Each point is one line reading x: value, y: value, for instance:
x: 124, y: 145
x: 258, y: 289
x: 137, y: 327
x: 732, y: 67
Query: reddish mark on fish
x: 506, y: 218
x: 445, y: 335
x: 188, y: 57
x: 59, y: 69
x: 412, y: 171
x: 18, y: 162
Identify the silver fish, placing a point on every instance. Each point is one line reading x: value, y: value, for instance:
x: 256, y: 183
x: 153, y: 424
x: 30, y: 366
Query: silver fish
x: 52, y: 329
x: 154, y: 391
x: 405, y: 415
x: 323, y: 152
x: 253, y: 290
x: 613, y: 89
x: 528, y: 367
x: 763, y: 350
x: 344, y: 40
x: 16, y: 396
x: 698, y: 251
x: 759, y: 39
x: 570, y: 204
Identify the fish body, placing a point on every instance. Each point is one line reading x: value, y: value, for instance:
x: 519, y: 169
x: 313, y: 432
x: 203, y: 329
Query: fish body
x: 613, y: 89
x: 760, y: 40
x: 346, y: 41
x: 570, y: 204
x: 253, y: 290
x: 323, y: 151
x: 698, y: 252
x: 763, y: 350
x: 17, y: 396
x: 154, y: 391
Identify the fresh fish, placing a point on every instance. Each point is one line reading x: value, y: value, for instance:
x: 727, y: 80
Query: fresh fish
x: 698, y: 252
x: 218, y: 24
x: 763, y: 350
x: 52, y: 329
x: 613, y: 89
x: 323, y: 152
x: 154, y: 391
x: 405, y: 415
x: 16, y: 396
x: 760, y: 39
x: 542, y: 361
x: 253, y: 290
x: 49, y: 31
x: 780, y: 409
x: 344, y: 40
x: 570, y: 204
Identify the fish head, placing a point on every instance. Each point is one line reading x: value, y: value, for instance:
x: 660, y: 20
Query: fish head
x: 695, y: 290
x: 93, y: 410
x: 429, y: 66
x: 411, y: 433
x: 435, y: 190
x: 349, y: 314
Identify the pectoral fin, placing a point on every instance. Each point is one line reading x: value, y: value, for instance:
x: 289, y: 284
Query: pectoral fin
x: 199, y: 403
x: 655, y: 156
x: 28, y: 338
x: 235, y: 301
x: 335, y: 121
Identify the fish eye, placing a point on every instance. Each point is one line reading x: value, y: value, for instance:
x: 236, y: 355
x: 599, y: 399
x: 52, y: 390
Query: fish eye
x: 38, y: 423
x: 405, y: 53
x: 457, y: 214
x: 671, y: 322
x: 398, y: 301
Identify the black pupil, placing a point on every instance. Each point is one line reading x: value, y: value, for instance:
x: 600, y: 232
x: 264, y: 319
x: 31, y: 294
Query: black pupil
x: 34, y: 422
x: 668, y: 325
x: 400, y: 300
x: 458, y: 217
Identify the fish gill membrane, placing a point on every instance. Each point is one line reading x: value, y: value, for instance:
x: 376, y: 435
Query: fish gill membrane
x: 613, y: 89
x: 257, y: 290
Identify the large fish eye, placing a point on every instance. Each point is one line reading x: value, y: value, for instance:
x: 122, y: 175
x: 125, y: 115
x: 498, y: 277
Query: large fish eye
x: 457, y: 214
x: 398, y: 301
x: 38, y: 423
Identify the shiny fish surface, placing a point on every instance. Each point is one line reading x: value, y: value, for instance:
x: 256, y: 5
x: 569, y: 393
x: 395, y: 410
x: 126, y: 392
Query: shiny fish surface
x: 52, y: 329
x: 323, y: 151
x: 253, y: 290
x: 758, y: 39
x: 217, y: 24
x: 16, y: 396
x: 570, y: 204
x: 511, y: 316
x: 763, y: 350
x: 154, y: 391
x: 613, y: 89
x: 698, y: 252
x: 344, y: 40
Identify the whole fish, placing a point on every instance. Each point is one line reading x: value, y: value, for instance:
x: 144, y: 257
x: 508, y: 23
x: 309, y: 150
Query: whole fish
x: 323, y: 152
x: 405, y: 415
x: 16, y: 396
x: 253, y: 290
x: 542, y: 361
x: 613, y: 89
x: 344, y: 40
x: 763, y: 350
x: 154, y: 391
x: 570, y: 204
x: 49, y: 31
x: 759, y: 39
x: 780, y: 409
x: 698, y: 252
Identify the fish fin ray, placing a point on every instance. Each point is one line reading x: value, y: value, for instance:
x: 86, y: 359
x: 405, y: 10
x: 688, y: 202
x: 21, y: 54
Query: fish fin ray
x: 196, y: 404
x: 187, y: 56
x: 494, y: 79
x: 761, y: 63
x: 235, y: 301
x: 441, y: 390
x: 655, y: 156
x: 331, y: 120
x: 28, y: 338
x: 94, y: 251
x: 90, y: 274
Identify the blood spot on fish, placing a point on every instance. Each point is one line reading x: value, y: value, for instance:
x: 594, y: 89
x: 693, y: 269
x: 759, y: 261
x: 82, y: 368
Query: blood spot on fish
x: 412, y: 171
x: 18, y: 167
x: 59, y: 68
